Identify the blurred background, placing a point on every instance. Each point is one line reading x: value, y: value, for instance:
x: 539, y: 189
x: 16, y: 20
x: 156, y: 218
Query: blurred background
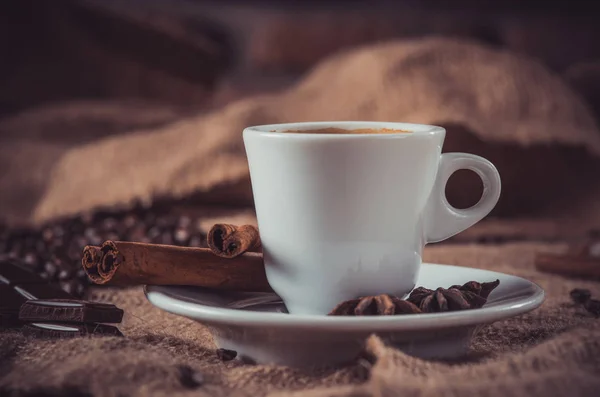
x: 123, y: 118
x: 198, y: 54
x: 195, y: 53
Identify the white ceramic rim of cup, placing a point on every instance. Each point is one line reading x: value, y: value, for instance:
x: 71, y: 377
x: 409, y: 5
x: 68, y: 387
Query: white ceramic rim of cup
x: 276, y: 130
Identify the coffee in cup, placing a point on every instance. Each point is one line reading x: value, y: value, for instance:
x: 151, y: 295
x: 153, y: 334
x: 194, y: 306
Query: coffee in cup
x: 334, y: 130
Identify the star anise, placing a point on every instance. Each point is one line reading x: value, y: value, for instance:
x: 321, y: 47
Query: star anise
x: 383, y: 304
x: 482, y: 289
x: 471, y: 295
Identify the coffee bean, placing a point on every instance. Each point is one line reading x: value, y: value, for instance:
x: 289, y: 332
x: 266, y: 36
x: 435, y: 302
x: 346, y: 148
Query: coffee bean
x: 81, y: 276
x: 48, y: 234
x: 96, y: 240
x: 65, y: 274
x: 166, y: 238
x: 592, y: 306
x: 166, y: 222
x: 112, y: 236
x: 150, y: 218
x: 79, y: 289
x: 89, y: 232
x: 181, y: 236
x: 109, y: 225
x: 62, y: 261
x: 80, y: 272
x: 184, y: 221
x: 58, y: 231
x: 154, y: 233
x: 130, y: 221
x: 56, y: 245
x: 122, y: 232
x: 87, y: 218
x: 69, y: 286
x: 76, y: 226
x: 41, y: 247
x: 32, y: 260
x: 50, y: 269
x: 30, y: 242
x: 579, y: 295
x: 92, y: 236
x: 3, y: 245
x: 137, y: 233
x: 101, y: 214
x: 54, y: 250
x: 16, y: 249
x: 196, y: 240
x: 73, y: 287
x: 75, y: 247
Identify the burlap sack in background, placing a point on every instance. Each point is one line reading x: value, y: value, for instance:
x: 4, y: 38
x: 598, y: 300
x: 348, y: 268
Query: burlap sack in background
x: 512, y: 110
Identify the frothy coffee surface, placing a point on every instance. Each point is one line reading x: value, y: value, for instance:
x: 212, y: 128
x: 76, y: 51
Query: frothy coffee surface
x: 333, y: 130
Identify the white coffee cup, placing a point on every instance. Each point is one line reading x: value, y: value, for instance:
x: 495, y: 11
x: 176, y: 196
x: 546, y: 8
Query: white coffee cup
x: 347, y: 215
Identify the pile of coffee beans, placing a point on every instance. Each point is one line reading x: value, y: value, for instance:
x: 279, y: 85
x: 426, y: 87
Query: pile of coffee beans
x: 54, y: 250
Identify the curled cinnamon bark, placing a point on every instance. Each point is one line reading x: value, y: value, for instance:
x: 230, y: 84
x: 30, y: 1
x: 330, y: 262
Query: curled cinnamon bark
x: 91, y: 255
x: 126, y: 263
x: 568, y: 265
x: 230, y: 241
x: 110, y: 261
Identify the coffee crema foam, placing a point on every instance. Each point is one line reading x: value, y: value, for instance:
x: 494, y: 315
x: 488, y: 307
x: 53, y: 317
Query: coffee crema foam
x: 333, y: 130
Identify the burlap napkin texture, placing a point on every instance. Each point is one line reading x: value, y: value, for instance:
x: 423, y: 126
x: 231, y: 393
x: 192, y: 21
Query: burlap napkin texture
x: 552, y: 351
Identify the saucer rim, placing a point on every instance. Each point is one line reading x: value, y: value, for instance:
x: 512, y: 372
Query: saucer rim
x: 236, y: 317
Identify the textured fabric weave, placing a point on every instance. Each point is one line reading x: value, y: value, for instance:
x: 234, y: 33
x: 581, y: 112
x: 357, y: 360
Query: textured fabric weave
x: 552, y: 351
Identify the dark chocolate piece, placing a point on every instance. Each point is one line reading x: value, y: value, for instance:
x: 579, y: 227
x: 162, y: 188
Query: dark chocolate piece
x: 12, y: 274
x: 42, y: 291
x: 71, y: 311
x: 10, y: 303
x: 69, y: 330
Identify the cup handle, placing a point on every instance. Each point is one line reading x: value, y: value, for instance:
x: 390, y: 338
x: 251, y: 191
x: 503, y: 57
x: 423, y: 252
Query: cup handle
x: 442, y: 220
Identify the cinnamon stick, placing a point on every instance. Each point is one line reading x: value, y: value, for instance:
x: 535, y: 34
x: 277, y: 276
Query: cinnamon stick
x: 568, y: 265
x: 230, y: 241
x: 126, y: 264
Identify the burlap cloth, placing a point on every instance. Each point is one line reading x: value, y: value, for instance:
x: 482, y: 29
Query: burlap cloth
x: 539, y: 132
x: 495, y: 104
x: 552, y: 351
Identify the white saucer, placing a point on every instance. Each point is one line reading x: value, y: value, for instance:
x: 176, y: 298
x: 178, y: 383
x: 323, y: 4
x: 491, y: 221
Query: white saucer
x: 257, y: 326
